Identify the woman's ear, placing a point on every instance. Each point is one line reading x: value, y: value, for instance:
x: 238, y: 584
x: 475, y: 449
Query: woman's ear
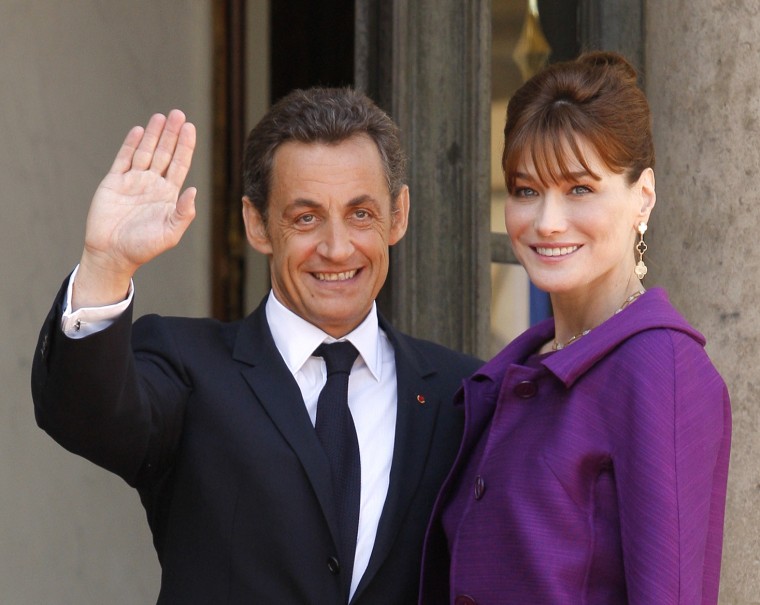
x: 645, y: 187
x: 255, y: 228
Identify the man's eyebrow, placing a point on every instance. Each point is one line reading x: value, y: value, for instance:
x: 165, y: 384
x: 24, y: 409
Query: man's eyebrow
x: 363, y: 199
x: 303, y: 203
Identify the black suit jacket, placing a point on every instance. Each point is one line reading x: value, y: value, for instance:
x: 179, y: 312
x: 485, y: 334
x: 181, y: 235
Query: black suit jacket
x: 206, y: 421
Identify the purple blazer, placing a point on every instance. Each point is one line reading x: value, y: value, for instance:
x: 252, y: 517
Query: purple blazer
x: 595, y: 475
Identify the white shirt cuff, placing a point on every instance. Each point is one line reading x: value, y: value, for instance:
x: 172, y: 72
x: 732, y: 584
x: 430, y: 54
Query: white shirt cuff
x: 89, y: 320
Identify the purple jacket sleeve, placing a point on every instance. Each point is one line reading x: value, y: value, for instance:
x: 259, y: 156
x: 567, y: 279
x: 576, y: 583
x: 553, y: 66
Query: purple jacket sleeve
x: 671, y: 471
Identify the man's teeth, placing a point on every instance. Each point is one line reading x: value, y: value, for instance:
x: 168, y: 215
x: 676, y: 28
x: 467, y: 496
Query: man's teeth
x: 335, y: 276
x: 556, y: 251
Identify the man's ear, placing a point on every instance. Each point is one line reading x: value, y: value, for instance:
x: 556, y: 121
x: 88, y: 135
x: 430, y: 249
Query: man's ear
x: 399, y: 216
x: 647, y: 192
x: 255, y: 229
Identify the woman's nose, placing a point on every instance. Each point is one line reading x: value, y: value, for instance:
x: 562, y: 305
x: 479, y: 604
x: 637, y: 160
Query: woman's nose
x: 550, y: 215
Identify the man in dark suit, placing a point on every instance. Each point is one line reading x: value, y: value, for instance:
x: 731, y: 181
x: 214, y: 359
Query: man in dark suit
x: 214, y: 423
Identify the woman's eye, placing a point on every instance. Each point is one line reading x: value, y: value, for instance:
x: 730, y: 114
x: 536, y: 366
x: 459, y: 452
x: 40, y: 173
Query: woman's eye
x: 524, y: 192
x: 580, y: 190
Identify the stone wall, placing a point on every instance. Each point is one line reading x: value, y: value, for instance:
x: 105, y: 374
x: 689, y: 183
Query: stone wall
x: 75, y: 77
x: 703, y: 81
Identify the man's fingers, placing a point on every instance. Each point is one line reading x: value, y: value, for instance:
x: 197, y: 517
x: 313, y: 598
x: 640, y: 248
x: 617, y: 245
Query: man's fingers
x: 123, y: 161
x: 164, y: 151
x: 183, y: 156
x: 143, y: 155
x: 164, y: 146
x: 185, y: 210
x: 183, y: 215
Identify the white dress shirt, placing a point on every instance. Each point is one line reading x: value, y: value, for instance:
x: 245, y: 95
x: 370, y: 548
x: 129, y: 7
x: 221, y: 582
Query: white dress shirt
x: 371, y: 393
x: 371, y: 399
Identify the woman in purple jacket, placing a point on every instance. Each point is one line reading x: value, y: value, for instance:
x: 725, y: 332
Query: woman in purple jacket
x: 594, y: 462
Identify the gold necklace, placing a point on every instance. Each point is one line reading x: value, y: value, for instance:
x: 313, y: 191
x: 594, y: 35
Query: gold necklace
x: 558, y: 346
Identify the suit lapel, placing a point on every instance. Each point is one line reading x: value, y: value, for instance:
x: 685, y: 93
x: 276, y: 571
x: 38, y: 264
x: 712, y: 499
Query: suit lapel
x: 414, y: 429
x: 277, y: 391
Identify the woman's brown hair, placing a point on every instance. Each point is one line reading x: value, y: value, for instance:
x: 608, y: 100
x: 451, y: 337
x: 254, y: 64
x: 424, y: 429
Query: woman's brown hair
x: 595, y: 97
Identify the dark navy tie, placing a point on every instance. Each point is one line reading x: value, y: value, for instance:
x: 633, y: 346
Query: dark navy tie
x: 336, y: 432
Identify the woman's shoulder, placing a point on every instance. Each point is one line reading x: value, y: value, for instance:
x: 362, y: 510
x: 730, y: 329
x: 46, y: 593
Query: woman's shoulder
x: 657, y: 325
x: 665, y: 358
x: 654, y: 311
x: 664, y: 347
x: 653, y: 330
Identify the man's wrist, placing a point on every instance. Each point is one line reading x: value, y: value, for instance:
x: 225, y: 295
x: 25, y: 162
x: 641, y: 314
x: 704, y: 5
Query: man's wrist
x: 81, y: 322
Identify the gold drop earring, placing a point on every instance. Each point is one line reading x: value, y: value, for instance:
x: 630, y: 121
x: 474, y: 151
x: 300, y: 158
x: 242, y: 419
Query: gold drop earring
x: 641, y: 247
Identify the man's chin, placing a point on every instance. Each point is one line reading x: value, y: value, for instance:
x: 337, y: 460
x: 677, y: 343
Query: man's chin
x: 341, y: 321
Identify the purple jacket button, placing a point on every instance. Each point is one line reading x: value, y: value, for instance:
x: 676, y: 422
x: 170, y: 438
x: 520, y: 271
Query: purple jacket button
x: 480, y: 487
x: 526, y: 389
x: 463, y: 599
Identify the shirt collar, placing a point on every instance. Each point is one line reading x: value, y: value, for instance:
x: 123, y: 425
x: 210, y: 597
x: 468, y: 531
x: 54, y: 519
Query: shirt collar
x: 284, y: 324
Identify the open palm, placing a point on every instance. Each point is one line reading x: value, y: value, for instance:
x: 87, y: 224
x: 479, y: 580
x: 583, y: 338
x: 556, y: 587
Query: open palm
x: 138, y: 211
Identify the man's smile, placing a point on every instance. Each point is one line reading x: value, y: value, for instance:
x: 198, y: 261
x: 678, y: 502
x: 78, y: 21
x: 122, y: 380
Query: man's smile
x: 342, y: 276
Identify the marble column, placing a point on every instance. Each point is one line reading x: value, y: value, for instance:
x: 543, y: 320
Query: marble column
x: 428, y: 63
x: 703, y: 81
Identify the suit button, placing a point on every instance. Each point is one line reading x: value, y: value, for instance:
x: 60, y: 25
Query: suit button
x: 526, y: 389
x: 480, y: 487
x: 464, y: 599
x: 333, y: 565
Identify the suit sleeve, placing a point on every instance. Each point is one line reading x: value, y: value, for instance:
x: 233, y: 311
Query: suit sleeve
x: 671, y: 471
x: 89, y: 397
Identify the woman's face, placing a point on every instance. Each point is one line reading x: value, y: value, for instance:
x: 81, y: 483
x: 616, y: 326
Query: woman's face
x: 576, y: 236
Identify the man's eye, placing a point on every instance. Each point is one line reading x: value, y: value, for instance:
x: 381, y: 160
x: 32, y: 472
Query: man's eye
x: 305, y: 219
x: 361, y: 214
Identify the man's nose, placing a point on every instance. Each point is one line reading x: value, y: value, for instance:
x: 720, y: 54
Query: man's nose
x: 336, y: 243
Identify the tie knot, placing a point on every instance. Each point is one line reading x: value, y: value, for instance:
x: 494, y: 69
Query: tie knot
x: 338, y: 356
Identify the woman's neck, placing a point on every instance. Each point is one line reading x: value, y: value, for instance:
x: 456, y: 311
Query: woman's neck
x: 577, y: 313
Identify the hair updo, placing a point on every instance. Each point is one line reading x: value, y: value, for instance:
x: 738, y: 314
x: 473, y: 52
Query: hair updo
x: 594, y: 98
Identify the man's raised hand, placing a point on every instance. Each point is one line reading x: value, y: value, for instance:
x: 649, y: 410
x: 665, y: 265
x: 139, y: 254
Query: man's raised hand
x: 138, y: 211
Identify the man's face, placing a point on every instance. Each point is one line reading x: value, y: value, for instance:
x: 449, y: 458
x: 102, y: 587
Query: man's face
x: 329, y: 228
